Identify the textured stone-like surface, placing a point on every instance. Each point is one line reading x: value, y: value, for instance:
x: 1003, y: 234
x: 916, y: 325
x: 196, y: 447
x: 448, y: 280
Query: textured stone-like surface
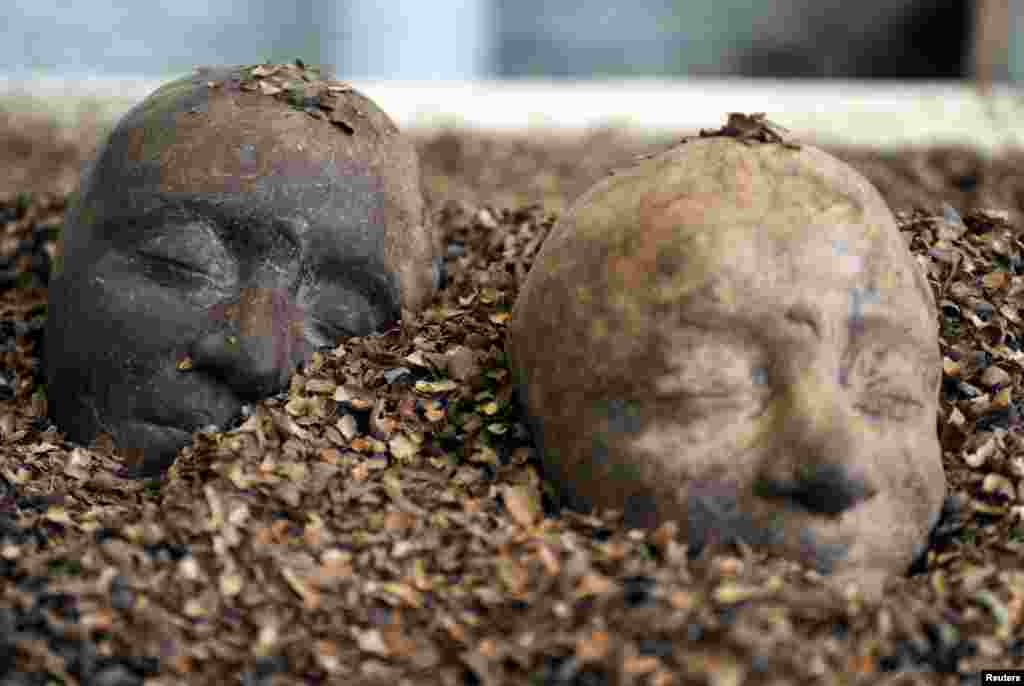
x: 233, y: 222
x: 735, y: 336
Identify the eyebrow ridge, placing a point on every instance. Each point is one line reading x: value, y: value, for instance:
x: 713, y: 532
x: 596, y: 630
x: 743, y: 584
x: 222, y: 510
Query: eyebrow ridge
x: 176, y: 209
x: 805, y: 315
x: 876, y: 321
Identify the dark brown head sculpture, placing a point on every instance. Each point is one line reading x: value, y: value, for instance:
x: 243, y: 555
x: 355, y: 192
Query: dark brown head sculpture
x: 234, y: 221
x: 734, y: 336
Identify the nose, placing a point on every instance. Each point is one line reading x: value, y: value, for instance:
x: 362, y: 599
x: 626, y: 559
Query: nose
x: 815, y: 458
x: 255, y: 343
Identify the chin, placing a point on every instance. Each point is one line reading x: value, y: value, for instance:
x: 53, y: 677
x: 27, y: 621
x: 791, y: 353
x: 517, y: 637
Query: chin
x: 148, y: 448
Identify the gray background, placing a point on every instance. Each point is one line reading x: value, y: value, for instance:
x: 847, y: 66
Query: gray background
x: 480, y: 39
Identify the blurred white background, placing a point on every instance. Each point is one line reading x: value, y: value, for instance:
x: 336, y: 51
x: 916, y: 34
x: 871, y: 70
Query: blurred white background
x: 877, y: 72
x: 479, y: 39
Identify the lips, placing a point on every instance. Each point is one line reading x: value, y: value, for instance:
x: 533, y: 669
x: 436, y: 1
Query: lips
x: 189, y: 399
x: 163, y: 419
x: 720, y: 512
x: 148, y: 447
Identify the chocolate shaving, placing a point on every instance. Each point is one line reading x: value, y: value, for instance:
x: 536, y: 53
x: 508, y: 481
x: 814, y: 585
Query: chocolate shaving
x: 301, y: 87
x: 751, y: 127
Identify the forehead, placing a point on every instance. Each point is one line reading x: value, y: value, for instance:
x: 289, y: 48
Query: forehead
x: 188, y: 137
x: 222, y: 153
x: 831, y: 261
x: 841, y: 273
x: 851, y: 316
x: 758, y: 222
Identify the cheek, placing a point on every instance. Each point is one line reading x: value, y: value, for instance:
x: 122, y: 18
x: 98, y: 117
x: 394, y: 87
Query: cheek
x: 336, y: 312
x: 897, y: 521
x: 906, y: 460
x: 924, y: 479
x: 136, y: 314
x: 699, y: 444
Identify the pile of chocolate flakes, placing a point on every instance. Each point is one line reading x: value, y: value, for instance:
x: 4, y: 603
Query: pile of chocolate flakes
x: 384, y: 521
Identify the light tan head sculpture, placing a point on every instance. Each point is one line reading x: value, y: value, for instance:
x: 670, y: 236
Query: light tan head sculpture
x: 734, y: 336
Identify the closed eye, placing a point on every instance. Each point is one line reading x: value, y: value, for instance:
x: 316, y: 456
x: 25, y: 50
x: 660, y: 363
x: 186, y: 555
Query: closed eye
x: 191, y: 251
x: 725, y: 401
x: 165, y: 268
x: 893, y: 405
x: 887, y: 382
